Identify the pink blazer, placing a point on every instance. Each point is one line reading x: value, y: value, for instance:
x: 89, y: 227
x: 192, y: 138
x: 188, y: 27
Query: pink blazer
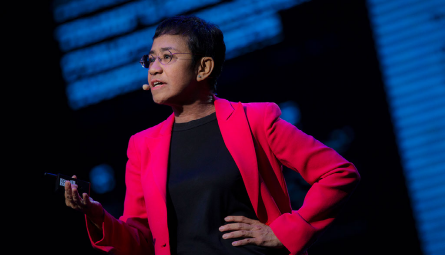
x: 260, y: 143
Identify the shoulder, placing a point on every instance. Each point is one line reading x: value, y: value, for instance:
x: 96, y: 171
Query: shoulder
x: 261, y: 115
x: 250, y: 108
x: 263, y: 110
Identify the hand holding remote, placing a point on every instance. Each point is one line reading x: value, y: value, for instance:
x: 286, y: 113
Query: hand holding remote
x: 85, y: 204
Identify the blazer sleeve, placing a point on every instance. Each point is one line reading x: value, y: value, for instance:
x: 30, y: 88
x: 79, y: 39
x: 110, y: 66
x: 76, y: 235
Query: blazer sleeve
x: 130, y: 234
x: 332, y: 180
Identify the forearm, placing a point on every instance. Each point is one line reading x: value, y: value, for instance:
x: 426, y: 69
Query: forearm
x: 120, y: 237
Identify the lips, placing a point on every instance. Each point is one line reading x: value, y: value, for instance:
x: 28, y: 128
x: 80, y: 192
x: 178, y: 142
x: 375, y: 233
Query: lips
x: 156, y: 84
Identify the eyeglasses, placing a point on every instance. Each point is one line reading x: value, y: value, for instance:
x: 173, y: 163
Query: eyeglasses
x: 148, y: 60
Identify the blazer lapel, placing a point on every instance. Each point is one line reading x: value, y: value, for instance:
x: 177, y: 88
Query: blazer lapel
x: 159, y: 152
x: 237, y: 137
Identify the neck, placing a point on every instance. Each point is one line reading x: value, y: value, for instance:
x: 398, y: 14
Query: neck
x: 194, y: 111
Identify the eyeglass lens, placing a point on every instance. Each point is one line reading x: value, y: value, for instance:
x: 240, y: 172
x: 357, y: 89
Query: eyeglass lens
x: 147, y: 60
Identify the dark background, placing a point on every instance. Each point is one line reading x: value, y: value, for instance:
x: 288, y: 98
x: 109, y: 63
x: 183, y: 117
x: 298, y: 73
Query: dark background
x: 327, y: 64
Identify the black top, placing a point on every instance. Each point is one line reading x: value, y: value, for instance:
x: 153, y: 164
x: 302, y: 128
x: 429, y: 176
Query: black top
x: 204, y: 185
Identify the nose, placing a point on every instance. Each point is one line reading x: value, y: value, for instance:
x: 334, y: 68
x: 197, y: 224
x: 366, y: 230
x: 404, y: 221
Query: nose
x: 155, y: 68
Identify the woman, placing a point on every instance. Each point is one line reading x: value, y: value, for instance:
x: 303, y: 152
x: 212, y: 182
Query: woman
x: 208, y: 179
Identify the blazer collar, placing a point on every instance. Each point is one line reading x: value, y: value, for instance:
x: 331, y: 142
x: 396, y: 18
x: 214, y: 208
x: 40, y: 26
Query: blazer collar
x: 223, y: 108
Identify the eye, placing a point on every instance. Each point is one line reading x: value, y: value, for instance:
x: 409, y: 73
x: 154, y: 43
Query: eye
x: 167, y: 57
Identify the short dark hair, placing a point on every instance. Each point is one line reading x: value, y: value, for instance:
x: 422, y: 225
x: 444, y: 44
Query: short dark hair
x: 204, y: 40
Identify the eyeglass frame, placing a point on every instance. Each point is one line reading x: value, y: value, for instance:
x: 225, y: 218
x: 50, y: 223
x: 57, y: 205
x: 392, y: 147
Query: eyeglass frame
x: 142, y: 62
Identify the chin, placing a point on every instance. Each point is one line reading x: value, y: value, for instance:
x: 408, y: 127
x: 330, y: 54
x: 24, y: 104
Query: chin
x: 158, y: 101
x: 161, y: 100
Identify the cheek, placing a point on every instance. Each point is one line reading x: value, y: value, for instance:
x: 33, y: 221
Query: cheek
x: 181, y: 77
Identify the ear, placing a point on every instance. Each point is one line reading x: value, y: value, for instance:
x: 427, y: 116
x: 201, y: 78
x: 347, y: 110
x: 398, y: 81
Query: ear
x: 205, y: 68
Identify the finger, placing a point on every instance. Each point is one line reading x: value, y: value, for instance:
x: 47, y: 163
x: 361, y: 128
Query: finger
x: 239, y: 219
x: 235, y: 226
x: 68, y: 193
x: 74, y: 177
x: 244, y: 242
x: 145, y: 87
x: 76, y: 197
x: 67, y: 188
x: 86, y: 200
x: 237, y: 234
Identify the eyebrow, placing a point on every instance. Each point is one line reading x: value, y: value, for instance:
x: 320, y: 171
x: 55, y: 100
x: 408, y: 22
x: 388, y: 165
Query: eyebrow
x: 163, y: 49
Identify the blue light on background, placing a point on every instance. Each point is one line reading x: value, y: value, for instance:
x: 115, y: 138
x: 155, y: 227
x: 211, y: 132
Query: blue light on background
x: 65, y: 10
x: 102, y: 50
x: 340, y: 139
x: 290, y: 112
x: 102, y: 178
x: 410, y: 41
x: 120, y: 20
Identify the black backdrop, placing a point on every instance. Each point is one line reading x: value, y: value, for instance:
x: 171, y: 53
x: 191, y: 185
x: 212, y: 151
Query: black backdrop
x: 327, y: 64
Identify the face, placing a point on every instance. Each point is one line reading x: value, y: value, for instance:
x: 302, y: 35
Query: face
x: 178, y: 84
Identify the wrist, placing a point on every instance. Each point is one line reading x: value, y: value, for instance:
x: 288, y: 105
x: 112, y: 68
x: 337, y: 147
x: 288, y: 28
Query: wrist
x: 97, y: 218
